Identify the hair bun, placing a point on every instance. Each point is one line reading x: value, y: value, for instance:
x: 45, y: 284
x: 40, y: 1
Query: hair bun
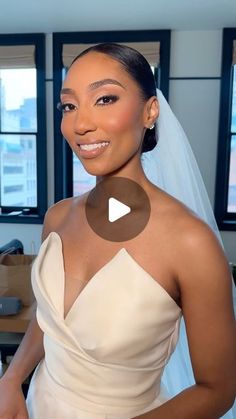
x: 149, y: 141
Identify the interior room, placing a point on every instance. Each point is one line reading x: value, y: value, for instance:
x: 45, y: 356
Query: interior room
x: 192, y: 45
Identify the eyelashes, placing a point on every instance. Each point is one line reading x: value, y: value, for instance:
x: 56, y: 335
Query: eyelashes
x: 65, y: 107
x: 102, y: 101
x: 107, y: 100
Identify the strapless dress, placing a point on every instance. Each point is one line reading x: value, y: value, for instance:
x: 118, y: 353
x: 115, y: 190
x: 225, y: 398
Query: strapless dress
x: 106, y: 357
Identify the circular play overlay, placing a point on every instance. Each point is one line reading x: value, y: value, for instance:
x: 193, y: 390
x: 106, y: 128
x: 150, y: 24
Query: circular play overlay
x: 117, y: 209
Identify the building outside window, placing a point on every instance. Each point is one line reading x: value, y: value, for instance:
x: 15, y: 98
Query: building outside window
x: 225, y: 193
x: 18, y: 150
x: 22, y: 132
x: 232, y: 165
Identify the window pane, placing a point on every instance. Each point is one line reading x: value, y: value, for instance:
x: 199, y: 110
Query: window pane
x: 232, y: 177
x: 233, y: 121
x: 18, y: 174
x: 82, y: 181
x: 18, y: 100
x: 232, y: 172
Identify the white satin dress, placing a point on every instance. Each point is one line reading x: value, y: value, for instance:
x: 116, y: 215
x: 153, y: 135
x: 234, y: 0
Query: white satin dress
x: 104, y: 359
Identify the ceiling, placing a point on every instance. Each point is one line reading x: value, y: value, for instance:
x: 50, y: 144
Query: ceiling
x: 95, y: 15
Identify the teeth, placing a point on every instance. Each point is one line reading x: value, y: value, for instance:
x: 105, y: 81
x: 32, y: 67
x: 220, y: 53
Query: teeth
x: 93, y: 146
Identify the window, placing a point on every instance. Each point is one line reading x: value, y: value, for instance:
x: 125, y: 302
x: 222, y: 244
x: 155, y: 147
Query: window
x: 225, y: 201
x: 70, y: 177
x: 232, y: 164
x: 22, y: 128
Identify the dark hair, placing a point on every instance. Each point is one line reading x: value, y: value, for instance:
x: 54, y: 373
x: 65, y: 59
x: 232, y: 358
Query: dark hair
x: 139, y: 69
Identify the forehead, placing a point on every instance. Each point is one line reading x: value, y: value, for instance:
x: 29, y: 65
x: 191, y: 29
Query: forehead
x: 96, y: 66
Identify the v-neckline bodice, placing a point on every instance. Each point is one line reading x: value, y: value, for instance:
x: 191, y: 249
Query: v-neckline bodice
x: 88, y: 283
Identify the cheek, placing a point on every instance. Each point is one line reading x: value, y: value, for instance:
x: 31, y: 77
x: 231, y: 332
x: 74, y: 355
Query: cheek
x: 128, y: 118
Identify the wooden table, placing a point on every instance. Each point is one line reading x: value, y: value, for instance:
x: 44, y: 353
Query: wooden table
x: 17, y: 323
x: 12, y: 329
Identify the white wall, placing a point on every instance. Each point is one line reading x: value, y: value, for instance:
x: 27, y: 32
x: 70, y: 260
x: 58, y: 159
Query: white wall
x: 194, y: 97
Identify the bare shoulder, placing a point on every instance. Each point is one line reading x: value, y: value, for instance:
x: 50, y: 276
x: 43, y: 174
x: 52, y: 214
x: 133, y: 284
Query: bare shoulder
x: 181, y: 221
x: 201, y: 267
x: 201, y: 270
x: 194, y: 247
x: 200, y: 253
x: 58, y: 214
x: 55, y: 215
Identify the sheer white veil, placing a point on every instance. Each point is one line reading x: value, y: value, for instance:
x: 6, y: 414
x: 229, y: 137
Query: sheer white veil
x: 171, y: 165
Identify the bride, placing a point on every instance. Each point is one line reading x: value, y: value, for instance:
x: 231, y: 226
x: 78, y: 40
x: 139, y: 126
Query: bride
x: 108, y: 312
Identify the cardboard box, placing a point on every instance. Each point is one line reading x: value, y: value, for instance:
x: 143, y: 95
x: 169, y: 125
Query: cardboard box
x: 15, y: 277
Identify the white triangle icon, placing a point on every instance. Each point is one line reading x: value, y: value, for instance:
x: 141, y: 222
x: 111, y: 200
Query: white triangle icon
x: 116, y: 209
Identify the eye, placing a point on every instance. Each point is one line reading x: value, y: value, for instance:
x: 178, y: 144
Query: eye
x: 66, y: 107
x: 107, y: 100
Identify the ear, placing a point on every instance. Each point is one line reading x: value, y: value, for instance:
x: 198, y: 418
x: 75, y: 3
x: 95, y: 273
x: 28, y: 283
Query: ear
x: 151, y: 112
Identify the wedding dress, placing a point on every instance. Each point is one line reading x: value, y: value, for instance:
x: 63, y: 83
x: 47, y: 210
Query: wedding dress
x: 105, y: 358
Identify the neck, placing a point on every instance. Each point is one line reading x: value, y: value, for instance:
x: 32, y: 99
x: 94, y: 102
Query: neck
x: 132, y: 170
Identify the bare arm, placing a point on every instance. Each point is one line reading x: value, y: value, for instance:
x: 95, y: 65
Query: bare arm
x: 206, y: 294
x: 28, y: 355
x: 31, y: 350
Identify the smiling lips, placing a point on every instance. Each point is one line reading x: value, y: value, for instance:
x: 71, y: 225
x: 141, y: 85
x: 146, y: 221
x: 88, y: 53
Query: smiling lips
x: 92, y: 150
x: 93, y: 146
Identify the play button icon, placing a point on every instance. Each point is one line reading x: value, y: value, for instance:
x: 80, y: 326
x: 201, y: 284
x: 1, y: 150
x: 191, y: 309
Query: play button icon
x: 117, y: 209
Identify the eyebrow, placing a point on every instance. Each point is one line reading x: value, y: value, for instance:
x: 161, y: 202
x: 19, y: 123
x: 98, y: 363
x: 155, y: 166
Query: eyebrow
x: 67, y: 91
x: 102, y: 82
x: 93, y: 86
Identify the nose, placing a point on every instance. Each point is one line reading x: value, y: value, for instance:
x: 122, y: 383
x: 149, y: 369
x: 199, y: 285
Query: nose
x: 84, y: 121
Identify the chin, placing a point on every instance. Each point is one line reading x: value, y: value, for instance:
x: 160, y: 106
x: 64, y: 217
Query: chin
x: 98, y: 173
x: 100, y: 170
x: 94, y: 169
x: 104, y: 167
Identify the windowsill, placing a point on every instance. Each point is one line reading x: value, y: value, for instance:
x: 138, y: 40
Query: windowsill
x: 227, y: 225
x: 22, y: 219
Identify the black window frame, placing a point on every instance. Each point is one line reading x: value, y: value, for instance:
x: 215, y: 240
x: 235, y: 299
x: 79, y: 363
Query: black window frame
x: 225, y: 220
x: 34, y: 215
x: 62, y: 153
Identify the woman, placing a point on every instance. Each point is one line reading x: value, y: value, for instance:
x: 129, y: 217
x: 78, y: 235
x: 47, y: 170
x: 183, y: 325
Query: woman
x: 109, y: 311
